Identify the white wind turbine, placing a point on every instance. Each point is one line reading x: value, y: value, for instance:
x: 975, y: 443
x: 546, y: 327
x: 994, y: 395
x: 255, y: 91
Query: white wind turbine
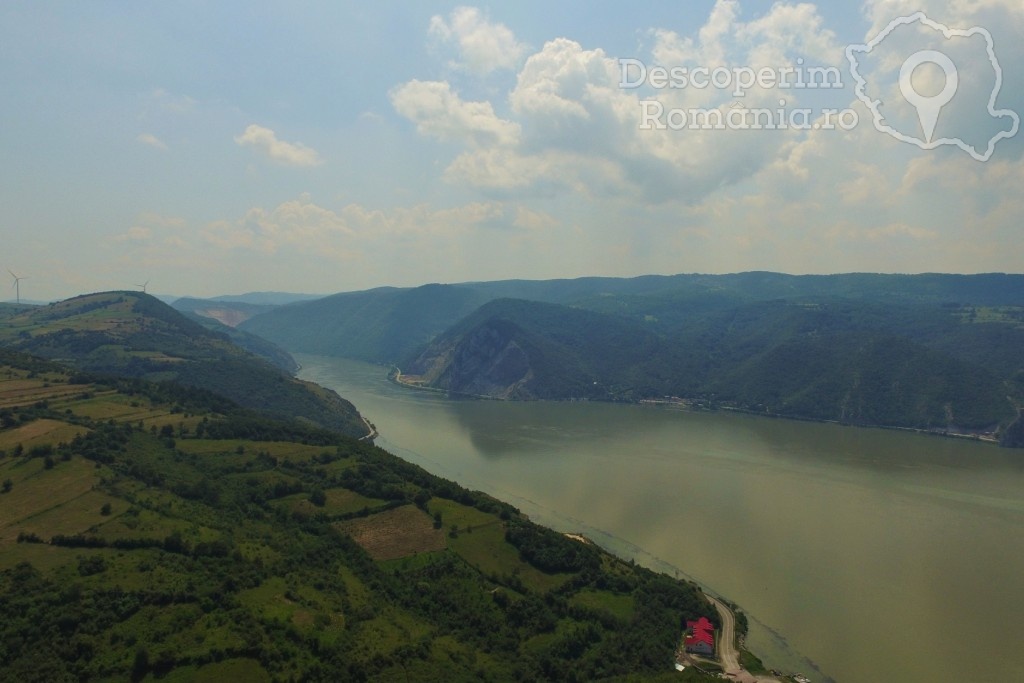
x: 17, y: 284
x: 143, y: 286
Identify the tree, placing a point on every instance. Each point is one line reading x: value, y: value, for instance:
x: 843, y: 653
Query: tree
x: 318, y: 498
x: 8, y: 485
x: 140, y: 667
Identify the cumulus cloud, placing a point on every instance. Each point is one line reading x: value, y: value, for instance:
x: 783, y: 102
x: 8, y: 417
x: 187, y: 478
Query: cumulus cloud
x: 791, y: 198
x: 439, y: 112
x: 483, y: 46
x: 287, y: 153
x: 572, y: 126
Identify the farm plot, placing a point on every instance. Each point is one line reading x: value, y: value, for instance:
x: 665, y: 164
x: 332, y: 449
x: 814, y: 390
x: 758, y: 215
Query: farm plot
x: 40, y: 432
x: 396, y: 533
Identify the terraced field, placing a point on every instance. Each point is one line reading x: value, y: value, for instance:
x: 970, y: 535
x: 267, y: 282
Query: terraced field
x: 134, y: 545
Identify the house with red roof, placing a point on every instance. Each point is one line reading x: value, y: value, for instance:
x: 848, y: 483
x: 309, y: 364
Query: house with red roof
x: 701, y: 637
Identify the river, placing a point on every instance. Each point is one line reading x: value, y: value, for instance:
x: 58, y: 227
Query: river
x: 861, y: 555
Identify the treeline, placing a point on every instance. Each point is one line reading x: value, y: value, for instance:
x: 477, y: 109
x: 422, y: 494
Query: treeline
x: 171, y: 544
x: 549, y: 551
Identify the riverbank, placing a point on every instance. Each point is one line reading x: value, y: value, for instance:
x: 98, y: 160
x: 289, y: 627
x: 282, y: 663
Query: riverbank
x: 702, y: 405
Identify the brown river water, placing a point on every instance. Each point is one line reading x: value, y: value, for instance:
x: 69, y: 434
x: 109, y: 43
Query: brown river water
x: 860, y: 555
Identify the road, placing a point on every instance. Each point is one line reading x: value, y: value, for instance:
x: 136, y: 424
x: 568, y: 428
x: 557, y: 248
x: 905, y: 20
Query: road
x: 727, y: 652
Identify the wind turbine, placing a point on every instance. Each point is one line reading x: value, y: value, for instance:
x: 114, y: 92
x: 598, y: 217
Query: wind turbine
x: 17, y: 284
x: 143, y: 286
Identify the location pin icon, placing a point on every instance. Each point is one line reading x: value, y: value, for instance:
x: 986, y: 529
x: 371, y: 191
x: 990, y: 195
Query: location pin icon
x: 928, y: 108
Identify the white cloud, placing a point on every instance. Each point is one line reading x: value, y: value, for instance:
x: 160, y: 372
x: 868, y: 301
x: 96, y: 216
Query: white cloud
x: 152, y: 141
x: 483, y: 46
x: 572, y: 127
x: 442, y: 114
x: 287, y: 153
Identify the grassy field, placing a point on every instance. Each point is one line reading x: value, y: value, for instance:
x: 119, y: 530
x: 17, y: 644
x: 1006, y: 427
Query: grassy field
x: 480, y: 540
x: 39, y: 433
x: 340, y: 501
x: 248, y: 670
x: 60, y: 499
x: 622, y: 606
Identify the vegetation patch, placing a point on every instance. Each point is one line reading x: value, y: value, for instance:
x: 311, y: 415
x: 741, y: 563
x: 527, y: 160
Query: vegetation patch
x: 248, y: 670
x: 138, y: 552
x: 39, y: 432
x: 49, y: 500
x: 616, y: 604
x: 481, y: 540
x: 396, y: 533
x: 335, y: 502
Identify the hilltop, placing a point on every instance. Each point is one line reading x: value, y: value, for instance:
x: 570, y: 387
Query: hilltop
x: 158, y: 532
x: 135, y: 335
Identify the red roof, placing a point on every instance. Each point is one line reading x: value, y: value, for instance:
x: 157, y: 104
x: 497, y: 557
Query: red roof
x: 700, y: 637
x: 702, y: 632
x: 701, y: 624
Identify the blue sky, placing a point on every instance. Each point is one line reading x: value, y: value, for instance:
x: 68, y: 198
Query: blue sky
x: 215, y: 148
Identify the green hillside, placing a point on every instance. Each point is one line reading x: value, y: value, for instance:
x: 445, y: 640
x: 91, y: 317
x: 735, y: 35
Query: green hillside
x: 155, y: 532
x: 258, y: 346
x: 387, y: 324
x: 135, y: 335
x: 779, y: 358
x: 933, y: 351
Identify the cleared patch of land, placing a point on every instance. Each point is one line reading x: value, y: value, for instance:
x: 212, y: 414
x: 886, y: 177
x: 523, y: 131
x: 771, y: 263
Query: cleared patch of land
x: 49, y: 432
x: 396, y: 533
x: 37, y: 492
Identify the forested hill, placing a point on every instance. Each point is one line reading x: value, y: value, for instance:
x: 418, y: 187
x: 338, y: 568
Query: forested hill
x: 136, y: 335
x: 157, y: 532
x: 386, y: 325
x: 794, y: 360
x: 933, y: 351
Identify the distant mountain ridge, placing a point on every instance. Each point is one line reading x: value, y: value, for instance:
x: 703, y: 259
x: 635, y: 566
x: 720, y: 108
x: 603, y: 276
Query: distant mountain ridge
x: 385, y: 324
x: 378, y: 325
x: 933, y: 351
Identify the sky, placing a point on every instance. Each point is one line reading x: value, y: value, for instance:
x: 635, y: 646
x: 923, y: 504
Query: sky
x: 219, y: 148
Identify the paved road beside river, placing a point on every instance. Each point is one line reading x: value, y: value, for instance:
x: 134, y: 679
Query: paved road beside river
x: 727, y: 651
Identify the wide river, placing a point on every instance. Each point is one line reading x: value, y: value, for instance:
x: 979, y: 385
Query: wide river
x: 861, y: 555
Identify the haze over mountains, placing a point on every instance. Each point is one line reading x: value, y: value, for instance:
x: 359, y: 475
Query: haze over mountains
x: 933, y: 351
